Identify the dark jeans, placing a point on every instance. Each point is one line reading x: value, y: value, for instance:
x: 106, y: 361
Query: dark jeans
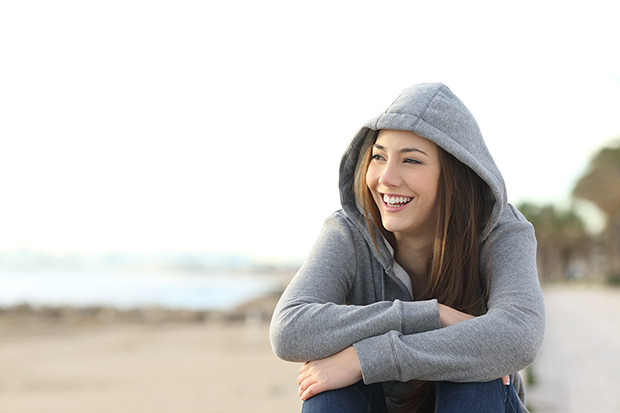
x: 489, y: 397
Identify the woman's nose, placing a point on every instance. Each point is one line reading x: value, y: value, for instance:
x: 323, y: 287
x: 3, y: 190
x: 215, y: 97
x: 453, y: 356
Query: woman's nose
x: 390, y: 176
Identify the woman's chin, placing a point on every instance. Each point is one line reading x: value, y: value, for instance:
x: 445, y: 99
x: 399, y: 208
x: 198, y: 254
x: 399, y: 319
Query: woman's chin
x: 394, y: 227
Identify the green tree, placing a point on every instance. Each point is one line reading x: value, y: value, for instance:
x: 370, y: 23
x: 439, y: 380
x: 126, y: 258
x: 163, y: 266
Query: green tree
x: 562, y: 240
x: 601, y: 186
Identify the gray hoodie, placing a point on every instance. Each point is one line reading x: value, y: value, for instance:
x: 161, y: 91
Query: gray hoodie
x: 348, y: 293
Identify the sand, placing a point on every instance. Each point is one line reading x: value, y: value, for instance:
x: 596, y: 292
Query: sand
x: 49, y: 367
x: 68, y: 365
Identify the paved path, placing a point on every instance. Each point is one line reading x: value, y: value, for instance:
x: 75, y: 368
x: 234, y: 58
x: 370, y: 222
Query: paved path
x: 578, y: 369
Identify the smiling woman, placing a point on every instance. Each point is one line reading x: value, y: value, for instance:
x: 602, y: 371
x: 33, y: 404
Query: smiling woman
x: 421, y: 294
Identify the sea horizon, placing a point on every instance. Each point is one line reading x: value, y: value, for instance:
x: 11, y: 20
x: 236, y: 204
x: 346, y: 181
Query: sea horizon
x: 133, y: 289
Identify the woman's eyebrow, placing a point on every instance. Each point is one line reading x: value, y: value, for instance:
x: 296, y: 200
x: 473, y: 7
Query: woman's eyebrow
x: 404, y: 150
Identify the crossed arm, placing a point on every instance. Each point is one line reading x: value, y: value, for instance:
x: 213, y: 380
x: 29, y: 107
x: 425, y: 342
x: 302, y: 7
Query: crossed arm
x: 343, y: 368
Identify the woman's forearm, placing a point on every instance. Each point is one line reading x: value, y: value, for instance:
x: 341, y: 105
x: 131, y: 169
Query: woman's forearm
x: 310, y: 331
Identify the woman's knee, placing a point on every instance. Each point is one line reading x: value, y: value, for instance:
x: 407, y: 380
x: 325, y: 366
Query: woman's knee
x: 482, y: 397
x: 355, y: 398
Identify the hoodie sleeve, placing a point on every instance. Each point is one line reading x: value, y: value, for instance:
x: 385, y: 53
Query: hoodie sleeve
x: 311, y: 320
x: 503, y: 341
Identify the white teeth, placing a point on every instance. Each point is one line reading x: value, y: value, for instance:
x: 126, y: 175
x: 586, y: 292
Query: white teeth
x: 395, y: 201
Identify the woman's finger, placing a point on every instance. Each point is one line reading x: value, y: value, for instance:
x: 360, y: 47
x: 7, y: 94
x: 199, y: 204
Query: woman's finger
x: 305, y: 384
x: 302, y: 375
x: 304, y: 367
x: 300, y: 389
x: 312, y: 390
x: 302, y: 385
x: 506, y: 380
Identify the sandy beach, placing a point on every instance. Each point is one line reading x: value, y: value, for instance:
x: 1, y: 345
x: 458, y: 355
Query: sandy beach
x: 206, y: 367
x: 226, y: 364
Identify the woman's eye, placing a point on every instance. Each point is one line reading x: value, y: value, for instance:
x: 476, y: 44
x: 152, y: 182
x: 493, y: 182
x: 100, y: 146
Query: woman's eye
x: 413, y: 161
x: 377, y: 157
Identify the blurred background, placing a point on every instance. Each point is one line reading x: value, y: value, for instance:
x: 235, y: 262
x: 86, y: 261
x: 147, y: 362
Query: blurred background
x: 165, y: 167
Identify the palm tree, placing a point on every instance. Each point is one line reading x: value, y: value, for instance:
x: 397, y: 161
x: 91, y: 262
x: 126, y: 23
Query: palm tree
x: 601, y: 186
x: 562, y: 240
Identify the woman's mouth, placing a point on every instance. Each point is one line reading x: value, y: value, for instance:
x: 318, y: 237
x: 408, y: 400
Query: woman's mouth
x: 394, y: 201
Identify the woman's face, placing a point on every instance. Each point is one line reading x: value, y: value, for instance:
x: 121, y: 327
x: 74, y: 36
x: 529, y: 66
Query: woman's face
x: 403, y: 176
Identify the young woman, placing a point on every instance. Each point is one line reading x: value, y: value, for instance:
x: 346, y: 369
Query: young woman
x: 421, y: 294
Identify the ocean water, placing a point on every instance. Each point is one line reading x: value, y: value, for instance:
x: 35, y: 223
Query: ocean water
x: 127, y: 290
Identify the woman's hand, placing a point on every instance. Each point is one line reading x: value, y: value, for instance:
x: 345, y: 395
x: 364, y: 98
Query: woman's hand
x: 448, y: 316
x: 334, y: 372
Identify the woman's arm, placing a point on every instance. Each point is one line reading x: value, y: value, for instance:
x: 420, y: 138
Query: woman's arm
x: 311, y: 321
x: 503, y: 341
x: 343, y: 369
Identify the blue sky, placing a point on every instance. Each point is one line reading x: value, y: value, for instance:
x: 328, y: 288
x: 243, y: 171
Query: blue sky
x: 189, y: 125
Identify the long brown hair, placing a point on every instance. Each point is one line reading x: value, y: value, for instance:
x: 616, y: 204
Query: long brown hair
x: 464, y: 206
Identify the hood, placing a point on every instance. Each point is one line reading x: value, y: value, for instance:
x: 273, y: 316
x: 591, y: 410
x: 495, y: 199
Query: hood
x: 432, y: 111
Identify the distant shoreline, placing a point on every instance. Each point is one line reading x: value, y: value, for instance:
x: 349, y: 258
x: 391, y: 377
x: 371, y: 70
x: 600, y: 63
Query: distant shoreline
x: 255, y: 311
x: 104, y: 297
